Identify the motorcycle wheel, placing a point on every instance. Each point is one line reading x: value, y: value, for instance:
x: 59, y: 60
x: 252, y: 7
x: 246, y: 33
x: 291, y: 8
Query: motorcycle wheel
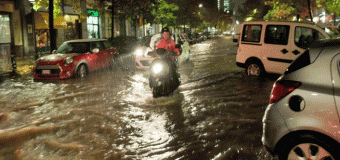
x: 156, y: 92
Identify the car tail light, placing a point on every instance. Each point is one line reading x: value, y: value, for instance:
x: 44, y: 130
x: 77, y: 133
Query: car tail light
x: 281, y: 89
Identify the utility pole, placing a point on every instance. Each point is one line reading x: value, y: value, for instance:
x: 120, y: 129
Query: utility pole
x: 53, y: 44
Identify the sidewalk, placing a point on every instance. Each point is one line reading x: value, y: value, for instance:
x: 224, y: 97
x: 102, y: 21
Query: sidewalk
x: 24, y: 67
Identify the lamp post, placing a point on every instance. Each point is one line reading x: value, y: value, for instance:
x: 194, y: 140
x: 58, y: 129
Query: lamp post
x: 53, y: 37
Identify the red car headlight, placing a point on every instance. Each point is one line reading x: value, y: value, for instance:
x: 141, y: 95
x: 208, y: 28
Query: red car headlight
x: 68, y: 61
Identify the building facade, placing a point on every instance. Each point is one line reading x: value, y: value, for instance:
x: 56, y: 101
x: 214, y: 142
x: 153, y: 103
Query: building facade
x: 10, y: 33
x: 25, y: 32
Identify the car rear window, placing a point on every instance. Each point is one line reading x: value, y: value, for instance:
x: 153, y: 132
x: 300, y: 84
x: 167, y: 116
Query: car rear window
x: 303, y: 60
x: 251, y: 33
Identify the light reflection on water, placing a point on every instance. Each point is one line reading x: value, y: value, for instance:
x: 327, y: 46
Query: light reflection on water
x: 215, y: 114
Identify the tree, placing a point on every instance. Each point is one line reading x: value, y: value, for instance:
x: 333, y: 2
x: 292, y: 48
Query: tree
x: 164, y: 13
x: 280, y: 11
x: 187, y: 13
x: 331, y: 6
x: 75, y: 4
x: 254, y: 10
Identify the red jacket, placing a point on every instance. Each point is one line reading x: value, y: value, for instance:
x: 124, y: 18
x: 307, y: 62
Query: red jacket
x: 168, y: 45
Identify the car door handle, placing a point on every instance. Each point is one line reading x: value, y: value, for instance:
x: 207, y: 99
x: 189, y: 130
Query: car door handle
x: 296, y: 52
x: 284, y: 51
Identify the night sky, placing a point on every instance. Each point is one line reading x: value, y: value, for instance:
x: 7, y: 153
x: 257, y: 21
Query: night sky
x: 209, y: 3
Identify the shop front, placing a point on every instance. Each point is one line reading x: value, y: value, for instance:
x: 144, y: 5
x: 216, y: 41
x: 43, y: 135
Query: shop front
x: 65, y: 30
x: 42, y: 32
x: 6, y: 40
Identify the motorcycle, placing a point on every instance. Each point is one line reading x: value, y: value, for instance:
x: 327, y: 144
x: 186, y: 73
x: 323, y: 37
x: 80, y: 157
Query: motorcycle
x: 164, y: 78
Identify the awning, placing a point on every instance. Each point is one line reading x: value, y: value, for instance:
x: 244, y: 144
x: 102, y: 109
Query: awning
x: 41, y: 21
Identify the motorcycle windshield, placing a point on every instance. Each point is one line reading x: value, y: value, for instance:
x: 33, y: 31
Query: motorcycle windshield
x: 154, y: 40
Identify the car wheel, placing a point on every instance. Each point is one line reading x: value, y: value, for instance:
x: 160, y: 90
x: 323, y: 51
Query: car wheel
x: 82, y: 71
x: 309, y: 147
x: 254, y: 69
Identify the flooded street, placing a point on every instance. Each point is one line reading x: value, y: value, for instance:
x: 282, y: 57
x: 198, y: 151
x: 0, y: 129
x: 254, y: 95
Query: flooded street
x: 215, y: 113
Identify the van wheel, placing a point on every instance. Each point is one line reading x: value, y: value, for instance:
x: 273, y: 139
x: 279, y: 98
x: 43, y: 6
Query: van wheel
x: 254, y: 69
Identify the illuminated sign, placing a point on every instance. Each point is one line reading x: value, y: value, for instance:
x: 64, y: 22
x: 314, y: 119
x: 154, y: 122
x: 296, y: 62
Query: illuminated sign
x: 93, y: 13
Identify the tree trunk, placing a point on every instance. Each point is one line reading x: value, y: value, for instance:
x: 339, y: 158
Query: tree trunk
x: 310, y: 10
x: 53, y: 44
x: 113, y: 20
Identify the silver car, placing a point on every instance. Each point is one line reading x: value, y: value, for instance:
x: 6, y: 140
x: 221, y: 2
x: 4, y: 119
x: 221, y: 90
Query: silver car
x: 302, y: 118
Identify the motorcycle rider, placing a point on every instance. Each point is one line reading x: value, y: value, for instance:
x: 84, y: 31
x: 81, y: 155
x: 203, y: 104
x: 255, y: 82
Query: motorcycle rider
x: 167, y: 43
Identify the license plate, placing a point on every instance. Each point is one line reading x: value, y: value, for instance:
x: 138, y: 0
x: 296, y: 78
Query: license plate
x: 46, y: 71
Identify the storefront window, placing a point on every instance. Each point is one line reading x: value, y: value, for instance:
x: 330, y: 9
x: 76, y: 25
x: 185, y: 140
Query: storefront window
x: 71, y: 32
x: 43, y: 40
x: 5, y: 34
x: 5, y: 40
x: 93, y: 24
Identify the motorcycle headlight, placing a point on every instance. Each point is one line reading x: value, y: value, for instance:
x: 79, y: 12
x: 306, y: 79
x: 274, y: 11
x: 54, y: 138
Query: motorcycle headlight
x: 157, y: 68
x: 68, y: 60
x: 139, y: 52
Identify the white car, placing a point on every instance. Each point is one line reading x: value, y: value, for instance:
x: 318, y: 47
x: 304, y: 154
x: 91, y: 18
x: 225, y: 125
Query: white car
x: 302, y: 118
x: 236, y: 33
x: 147, y: 44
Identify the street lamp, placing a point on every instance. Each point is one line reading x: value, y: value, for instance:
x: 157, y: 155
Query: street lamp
x: 200, y: 5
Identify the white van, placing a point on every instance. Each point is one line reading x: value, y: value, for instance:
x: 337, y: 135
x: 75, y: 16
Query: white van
x: 270, y: 47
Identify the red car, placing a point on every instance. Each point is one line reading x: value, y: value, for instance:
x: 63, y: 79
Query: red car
x: 75, y: 58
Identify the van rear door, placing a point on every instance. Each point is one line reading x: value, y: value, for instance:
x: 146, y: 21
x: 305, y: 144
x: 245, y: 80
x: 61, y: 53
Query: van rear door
x: 277, y: 48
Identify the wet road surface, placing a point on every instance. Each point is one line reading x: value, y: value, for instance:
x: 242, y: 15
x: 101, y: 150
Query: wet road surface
x: 216, y: 113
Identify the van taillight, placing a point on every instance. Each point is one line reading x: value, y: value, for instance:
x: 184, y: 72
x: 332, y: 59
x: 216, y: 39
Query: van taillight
x: 281, y: 89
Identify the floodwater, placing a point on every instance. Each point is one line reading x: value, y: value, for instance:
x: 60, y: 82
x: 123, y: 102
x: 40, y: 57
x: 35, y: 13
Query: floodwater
x: 215, y: 113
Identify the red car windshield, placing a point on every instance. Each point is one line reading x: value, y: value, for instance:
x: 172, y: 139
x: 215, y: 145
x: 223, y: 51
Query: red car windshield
x: 76, y: 47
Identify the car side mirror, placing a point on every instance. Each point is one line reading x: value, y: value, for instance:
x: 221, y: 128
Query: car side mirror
x: 95, y: 50
x: 54, y: 52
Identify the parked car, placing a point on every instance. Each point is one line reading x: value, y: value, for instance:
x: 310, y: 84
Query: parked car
x: 192, y: 38
x: 302, y: 118
x: 270, y: 47
x: 124, y: 44
x: 196, y: 37
x: 206, y: 35
x: 145, y: 45
x: 236, y: 33
x: 75, y: 58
